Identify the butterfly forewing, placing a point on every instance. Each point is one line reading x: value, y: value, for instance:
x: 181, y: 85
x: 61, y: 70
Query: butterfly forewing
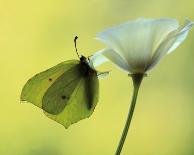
x: 82, y: 103
x: 36, y: 87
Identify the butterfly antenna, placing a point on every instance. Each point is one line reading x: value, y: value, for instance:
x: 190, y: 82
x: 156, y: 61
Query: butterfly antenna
x: 75, y: 42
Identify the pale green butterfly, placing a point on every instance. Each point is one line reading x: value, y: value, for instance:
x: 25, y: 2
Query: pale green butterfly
x: 67, y: 92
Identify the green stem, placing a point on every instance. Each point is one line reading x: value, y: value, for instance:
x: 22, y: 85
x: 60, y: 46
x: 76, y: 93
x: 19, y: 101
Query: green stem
x: 137, y: 78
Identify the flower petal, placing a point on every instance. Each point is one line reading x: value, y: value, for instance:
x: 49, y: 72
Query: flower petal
x: 171, y: 42
x: 136, y: 40
x: 115, y: 58
x: 188, y: 24
x: 96, y: 60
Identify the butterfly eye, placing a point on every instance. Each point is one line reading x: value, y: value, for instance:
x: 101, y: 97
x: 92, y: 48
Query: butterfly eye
x: 50, y: 79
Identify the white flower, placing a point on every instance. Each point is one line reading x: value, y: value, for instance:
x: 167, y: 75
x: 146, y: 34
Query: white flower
x: 137, y: 46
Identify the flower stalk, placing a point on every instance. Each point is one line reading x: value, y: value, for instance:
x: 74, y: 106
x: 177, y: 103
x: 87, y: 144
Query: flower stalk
x: 137, y: 79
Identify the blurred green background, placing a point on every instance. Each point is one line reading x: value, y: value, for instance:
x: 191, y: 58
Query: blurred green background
x: 38, y: 34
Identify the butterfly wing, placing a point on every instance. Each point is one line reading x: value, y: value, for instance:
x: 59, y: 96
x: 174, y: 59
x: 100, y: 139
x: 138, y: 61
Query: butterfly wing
x: 82, y: 102
x: 64, y: 92
x: 35, y: 88
x: 60, y: 92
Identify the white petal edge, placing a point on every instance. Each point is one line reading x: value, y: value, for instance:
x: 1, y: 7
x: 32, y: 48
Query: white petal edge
x: 172, y: 41
x: 186, y: 27
x: 115, y: 58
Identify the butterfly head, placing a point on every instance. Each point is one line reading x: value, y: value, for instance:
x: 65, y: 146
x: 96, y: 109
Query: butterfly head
x: 86, y: 61
x: 83, y: 58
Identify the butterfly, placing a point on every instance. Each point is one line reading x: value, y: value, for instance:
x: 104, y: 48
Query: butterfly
x: 67, y: 92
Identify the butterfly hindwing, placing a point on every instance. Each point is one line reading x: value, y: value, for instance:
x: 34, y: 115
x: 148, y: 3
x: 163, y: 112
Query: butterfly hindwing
x: 60, y: 92
x: 36, y: 87
x: 82, y: 102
